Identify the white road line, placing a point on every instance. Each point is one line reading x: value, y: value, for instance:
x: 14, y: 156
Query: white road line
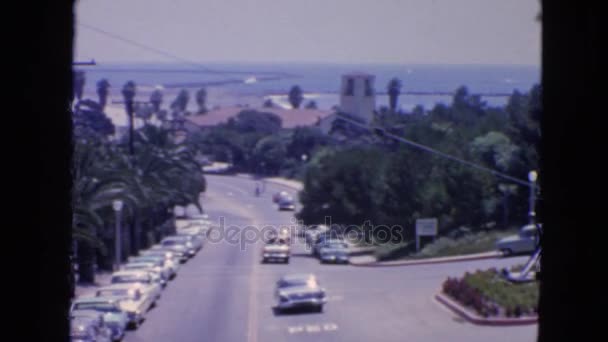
x: 295, y: 330
x: 313, y: 328
x: 330, y: 327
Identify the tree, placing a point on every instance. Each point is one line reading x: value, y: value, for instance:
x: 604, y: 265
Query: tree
x: 201, y: 98
x: 268, y: 103
x: 269, y: 154
x: 144, y: 112
x: 156, y: 99
x: 88, y: 119
x: 180, y: 103
x: 79, y: 81
x: 103, y: 87
x: 311, y: 105
x: 249, y: 121
x: 295, y: 97
x: 394, y: 90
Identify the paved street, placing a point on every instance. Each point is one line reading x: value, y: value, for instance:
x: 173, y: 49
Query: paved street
x: 225, y: 294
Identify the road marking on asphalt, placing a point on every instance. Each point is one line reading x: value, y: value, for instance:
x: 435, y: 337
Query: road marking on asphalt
x: 294, y: 330
x: 330, y: 327
x: 312, y: 328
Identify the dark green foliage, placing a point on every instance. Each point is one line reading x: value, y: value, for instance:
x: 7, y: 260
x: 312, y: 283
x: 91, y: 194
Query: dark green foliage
x: 296, y: 96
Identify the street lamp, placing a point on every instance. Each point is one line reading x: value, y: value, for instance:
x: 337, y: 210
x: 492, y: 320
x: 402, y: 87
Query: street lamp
x: 532, y: 176
x: 304, y: 158
x: 117, y: 206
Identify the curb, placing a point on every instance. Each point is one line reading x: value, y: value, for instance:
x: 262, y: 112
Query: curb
x: 472, y: 257
x: 475, y: 319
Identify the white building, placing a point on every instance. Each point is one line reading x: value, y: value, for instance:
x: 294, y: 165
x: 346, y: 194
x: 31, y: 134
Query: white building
x: 357, y: 96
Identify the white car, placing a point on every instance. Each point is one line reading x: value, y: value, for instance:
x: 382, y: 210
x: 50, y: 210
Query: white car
x: 157, y: 273
x: 132, y: 299
x: 180, y: 241
x: 148, y: 286
x: 523, y: 243
x: 171, y: 259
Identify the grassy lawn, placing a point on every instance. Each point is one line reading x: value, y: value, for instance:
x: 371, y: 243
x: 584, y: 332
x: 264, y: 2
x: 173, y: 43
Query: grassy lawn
x: 490, y: 295
x: 444, y: 246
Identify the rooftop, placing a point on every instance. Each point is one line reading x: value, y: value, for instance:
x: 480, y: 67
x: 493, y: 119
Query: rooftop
x: 291, y: 118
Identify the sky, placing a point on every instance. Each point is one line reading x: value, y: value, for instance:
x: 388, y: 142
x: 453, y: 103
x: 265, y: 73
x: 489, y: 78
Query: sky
x: 313, y: 31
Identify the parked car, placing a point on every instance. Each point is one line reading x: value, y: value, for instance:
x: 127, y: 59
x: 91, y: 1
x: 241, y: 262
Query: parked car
x: 299, y: 290
x: 193, y: 237
x: 115, y: 318
x: 89, y: 327
x: 171, y: 259
x: 179, y: 251
x: 522, y: 243
x: 275, y: 251
x: 180, y: 241
x: 131, y: 298
x: 334, y: 251
x: 287, y: 203
x: 156, y: 272
x: 160, y: 264
x: 143, y: 278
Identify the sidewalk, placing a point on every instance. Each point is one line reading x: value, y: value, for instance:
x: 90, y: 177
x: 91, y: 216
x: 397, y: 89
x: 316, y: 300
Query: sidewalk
x: 370, y: 260
x: 102, y: 278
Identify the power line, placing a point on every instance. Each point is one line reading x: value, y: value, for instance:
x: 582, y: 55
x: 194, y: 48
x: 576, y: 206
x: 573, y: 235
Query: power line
x: 170, y: 55
x: 383, y: 132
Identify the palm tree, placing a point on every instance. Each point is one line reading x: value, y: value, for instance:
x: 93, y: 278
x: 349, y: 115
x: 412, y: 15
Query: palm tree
x: 156, y: 98
x: 180, y: 103
x: 79, y: 81
x: 295, y: 97
x: 128, y: 92
x: 103, y: 87
x: 394, y: 89
x: 201, y: 98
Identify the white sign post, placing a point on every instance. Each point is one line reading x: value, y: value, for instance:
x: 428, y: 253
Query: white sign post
x: 425, y: 227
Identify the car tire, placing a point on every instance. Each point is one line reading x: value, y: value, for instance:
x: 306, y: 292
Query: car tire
x: 286, y: 260
x: 319, y: 308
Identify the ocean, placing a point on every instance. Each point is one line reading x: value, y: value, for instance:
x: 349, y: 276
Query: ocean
x: 251, y: 84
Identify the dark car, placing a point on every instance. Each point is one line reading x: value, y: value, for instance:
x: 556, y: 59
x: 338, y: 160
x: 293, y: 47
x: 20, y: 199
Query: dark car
x: 299, y: 290
x: 287, y: 203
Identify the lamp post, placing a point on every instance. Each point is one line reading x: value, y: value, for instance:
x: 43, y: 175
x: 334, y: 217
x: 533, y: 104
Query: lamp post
x: 304, y: 158
x: 532, y: 176
x: 117, y: 206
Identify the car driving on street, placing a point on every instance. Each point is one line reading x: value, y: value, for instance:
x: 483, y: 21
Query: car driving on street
x: 299, y: 290
x: 275, y: 252
x: 333, y: 251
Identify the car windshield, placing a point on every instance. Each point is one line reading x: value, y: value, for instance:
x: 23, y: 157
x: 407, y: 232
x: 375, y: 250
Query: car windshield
x: 286, y: 283
x: 130, y: 279
x: 97, y: 306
